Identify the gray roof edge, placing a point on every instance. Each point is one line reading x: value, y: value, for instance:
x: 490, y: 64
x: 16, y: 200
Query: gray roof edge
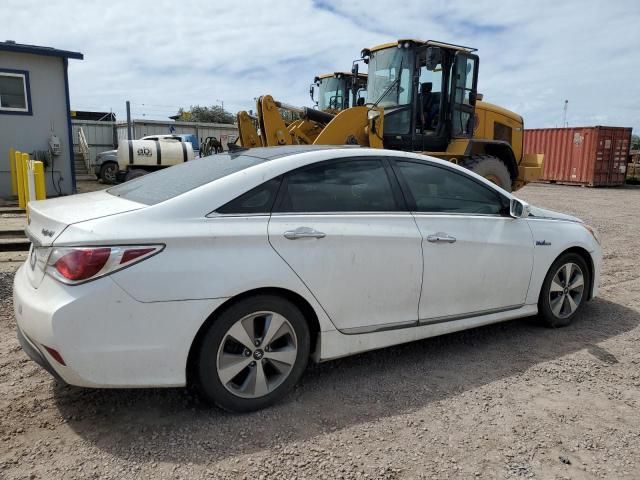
x: 38, y: 50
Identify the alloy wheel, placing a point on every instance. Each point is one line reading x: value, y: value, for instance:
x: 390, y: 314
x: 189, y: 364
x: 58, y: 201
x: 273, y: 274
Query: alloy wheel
x: 566, y: 290
x: 257, y: 354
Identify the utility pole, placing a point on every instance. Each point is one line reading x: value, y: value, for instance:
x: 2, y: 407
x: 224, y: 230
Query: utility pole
x: 564, y: 114
x: 129, y: 133
x: 221, y: 102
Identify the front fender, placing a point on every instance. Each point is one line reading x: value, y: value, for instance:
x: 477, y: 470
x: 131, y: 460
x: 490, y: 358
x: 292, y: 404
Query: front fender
x: 551, y: 238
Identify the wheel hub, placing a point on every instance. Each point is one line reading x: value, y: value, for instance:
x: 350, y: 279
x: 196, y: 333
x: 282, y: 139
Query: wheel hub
x: 257, y: 354
x: 566, y: 290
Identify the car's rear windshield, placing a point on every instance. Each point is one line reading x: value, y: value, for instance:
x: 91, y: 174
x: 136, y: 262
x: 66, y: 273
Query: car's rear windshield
x: 173, y: 181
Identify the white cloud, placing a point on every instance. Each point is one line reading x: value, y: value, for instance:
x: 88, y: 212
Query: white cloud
x: 162, y: 55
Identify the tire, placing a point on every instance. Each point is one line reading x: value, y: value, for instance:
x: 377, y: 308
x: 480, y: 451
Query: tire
x: 228, y: 371
x: 555, y: 291
x: 135, y: 173
x: 489, y: 167
x: 108, y: 172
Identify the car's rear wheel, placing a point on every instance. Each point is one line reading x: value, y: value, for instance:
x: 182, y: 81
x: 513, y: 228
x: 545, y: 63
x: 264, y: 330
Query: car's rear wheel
x: 253, y: 353
x: 108, y: 172
x: 564, y: 291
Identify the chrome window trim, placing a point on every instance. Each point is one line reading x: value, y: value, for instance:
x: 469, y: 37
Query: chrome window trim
x: 398, y: 213
x: 215, y: 214
x: 453, y: 214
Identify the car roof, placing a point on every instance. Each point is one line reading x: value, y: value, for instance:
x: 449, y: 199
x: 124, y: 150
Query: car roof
x: 270, y: 153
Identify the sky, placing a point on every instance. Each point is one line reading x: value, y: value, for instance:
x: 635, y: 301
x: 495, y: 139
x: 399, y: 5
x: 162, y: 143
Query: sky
x: 163, y: 55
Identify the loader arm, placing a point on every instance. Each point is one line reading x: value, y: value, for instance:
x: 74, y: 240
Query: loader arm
x: 247, y: 132
x: 353, y: 126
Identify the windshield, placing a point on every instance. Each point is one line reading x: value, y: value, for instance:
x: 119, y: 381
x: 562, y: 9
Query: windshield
x: 332, y: 93
x: 390, y: 77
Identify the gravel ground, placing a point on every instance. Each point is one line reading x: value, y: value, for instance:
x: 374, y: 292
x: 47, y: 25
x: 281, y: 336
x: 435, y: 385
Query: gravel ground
x: 513, y: 400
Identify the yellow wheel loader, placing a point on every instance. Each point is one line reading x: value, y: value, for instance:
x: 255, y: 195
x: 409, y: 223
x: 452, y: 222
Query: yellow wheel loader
x: 338, y: 91
x: 422, y: 97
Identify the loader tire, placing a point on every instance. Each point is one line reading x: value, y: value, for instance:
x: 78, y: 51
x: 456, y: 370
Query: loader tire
x: 489, y: 167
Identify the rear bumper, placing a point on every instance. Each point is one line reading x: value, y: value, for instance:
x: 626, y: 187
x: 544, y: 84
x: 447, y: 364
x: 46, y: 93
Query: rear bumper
x: 34, y: 353
x: 106, y: 338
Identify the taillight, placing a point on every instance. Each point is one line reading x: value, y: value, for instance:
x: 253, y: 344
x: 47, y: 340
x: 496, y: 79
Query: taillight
x: 82, y: 263
x: 73, y: 265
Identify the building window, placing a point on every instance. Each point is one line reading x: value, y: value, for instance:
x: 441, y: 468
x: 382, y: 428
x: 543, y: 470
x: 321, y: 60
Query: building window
x: 15, y: 96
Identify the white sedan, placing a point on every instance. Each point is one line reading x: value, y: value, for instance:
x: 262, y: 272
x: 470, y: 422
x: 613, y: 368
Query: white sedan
x: 231, y: 272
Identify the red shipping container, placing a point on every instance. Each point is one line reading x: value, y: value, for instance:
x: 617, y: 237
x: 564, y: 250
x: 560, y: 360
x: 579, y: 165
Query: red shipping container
x: 593, y: 156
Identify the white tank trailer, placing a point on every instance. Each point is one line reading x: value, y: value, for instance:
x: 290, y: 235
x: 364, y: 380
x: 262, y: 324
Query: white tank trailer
x: 137, y: 157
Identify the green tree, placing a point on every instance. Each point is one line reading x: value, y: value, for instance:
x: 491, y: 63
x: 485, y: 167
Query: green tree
x: 212, y: 114
x: 635, y: 142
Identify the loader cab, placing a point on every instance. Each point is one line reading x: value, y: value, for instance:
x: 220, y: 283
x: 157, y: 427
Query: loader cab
x: 428, y: 92
x: 337, y: 91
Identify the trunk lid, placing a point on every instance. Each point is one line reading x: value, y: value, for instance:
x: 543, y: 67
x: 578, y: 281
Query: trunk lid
x: 49, y: 218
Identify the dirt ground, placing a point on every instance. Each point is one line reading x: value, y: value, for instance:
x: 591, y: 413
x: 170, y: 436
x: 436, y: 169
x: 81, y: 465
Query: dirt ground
x: 513, y: 400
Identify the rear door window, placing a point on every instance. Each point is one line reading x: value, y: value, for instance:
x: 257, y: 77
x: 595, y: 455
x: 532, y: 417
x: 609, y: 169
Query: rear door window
x: 338, y: 186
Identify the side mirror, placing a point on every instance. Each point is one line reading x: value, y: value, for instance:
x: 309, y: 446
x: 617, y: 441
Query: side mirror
x: 311, y: 89
x: 354, y: 70
x: 519, y: 209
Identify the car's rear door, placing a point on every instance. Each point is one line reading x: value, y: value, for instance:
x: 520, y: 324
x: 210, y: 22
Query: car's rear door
x: 477, y: 260
x: 343, y: 228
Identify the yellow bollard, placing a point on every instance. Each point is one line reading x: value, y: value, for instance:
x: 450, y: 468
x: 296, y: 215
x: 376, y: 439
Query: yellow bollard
x: 25, y: 178
x: 12, y: 168
x: 38, y: 176
x: 20, y: 179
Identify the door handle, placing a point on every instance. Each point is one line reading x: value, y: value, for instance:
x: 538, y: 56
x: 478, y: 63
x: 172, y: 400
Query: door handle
x: 303, y: 232
x: 441, y: 237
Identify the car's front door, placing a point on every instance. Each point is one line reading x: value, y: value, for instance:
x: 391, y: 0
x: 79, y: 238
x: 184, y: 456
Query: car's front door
x: 477, y: 260
x: 343, y: 229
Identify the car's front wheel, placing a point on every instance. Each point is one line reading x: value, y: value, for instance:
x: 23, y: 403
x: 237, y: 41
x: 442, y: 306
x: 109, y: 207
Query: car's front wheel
x: 253, y: 353
x: 564, y: 291
x: 108, y: 172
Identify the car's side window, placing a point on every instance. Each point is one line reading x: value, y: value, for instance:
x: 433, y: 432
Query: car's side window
x: 441, y: 190
x: 338, y: 186
x: 258, y: 200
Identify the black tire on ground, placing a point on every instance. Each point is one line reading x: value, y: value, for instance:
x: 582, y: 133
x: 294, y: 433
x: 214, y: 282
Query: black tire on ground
x: 108, y: 172
x: 489, y: 167
x: 545, y: 311
x: 207, y: 380
x: 135, y: 173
